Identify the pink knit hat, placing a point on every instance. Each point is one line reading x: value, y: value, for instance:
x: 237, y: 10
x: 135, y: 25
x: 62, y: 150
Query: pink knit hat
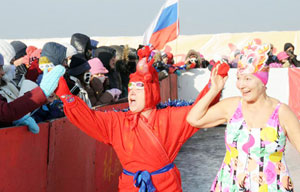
x: 97, y: 66
x: 282, y: 55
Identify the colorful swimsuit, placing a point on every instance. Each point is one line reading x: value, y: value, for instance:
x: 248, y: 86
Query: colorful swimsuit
x: 254, y: 159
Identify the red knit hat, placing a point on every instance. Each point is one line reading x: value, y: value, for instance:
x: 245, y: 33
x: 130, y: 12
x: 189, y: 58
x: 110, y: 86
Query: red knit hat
x: 147, y: 74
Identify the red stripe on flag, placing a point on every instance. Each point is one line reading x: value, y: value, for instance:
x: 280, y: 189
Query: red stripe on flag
x: 294, y: 93
x: 160, y: 38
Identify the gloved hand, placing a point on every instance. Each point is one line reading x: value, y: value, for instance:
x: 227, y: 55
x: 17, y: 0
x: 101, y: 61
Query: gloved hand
x: 115, y: 93
x: 28, y: 121
x: 50, y: 79
x: 223, y: 69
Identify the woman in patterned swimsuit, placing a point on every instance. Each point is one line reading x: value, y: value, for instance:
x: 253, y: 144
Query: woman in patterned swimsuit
x: 256, y: 132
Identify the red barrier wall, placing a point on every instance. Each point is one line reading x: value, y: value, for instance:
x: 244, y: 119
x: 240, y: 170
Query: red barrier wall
x: 108, y: 168
x: 168, y: 88
x: 23, y: 159
x: 71, y: 158
x: 294, y: 91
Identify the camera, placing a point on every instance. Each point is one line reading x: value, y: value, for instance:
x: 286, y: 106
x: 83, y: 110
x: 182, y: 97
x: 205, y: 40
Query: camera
x: 193, y: 60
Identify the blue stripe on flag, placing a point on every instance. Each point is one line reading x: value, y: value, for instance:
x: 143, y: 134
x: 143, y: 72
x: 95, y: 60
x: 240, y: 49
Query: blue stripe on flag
x: 167, y: 17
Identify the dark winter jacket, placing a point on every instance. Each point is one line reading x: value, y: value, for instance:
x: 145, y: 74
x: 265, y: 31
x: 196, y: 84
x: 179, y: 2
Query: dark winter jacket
x: 49, y: 111
x: 97, y: 94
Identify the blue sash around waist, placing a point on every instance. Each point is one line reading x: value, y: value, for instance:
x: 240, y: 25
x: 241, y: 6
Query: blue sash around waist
x: 143, y: 178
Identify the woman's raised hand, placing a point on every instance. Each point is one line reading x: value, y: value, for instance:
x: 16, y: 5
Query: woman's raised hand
x: 217, y: 81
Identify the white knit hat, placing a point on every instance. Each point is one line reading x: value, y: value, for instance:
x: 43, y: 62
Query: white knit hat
x: 7, y: 51
x: 70, y: 49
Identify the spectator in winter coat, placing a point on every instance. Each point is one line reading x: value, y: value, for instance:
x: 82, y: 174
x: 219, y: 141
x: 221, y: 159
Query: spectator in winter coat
x: 271, y: 57
x: 53, y: 54
x: 193, y: 60
x: 126, y: 59
x: 284, y: 59
x: 51, y: 110
x: 12, y: 107
x: 8, y: 54
x: 97, y: 93
x: 80, y: 74
x: 71, y: 50
x: 82, y: 43
x: 160, y: 66
x: 21, y: 70
x: 289, y: 49
x: 31, y: 61
x: 235, y: 58
x: 108, y: 57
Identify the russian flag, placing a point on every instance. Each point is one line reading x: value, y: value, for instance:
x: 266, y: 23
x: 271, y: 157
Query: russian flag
x: 165, y: 27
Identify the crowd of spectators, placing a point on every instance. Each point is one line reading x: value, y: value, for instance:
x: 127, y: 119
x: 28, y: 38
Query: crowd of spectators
x: 97, y: 74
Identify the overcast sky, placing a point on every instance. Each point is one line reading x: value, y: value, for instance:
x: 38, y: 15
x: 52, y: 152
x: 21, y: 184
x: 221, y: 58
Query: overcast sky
x: 22, y: 19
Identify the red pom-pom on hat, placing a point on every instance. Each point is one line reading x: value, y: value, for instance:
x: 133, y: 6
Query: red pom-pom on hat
x: 147, y: 74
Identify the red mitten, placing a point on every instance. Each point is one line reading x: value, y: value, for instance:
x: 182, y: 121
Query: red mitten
x: 223, y: 69
x: 63, y: 91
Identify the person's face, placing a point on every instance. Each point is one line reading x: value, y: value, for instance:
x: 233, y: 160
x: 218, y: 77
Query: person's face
x: 290, y: 50
x: 283, y: 61
x: 136, y: 96
x: 112, y: 62
x: 1, y: 71
x: 250, y: 87
x: 18, y: 62
x: 88, y: 53
x: 165, y: 60
x: 98, y: 75
x: 67, y: 61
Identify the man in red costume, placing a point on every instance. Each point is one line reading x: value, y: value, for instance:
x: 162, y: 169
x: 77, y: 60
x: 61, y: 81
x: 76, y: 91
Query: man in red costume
x: 146, y: 140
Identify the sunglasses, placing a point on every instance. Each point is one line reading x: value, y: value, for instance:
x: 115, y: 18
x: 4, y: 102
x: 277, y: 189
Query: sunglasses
x: 137, y: 85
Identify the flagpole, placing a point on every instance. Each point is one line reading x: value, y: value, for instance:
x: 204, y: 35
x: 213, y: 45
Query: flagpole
x: 177, y: 30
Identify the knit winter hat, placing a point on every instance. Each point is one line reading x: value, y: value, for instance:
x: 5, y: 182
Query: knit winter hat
x: 7, y: 51
x: 1, y: 60
x: 82, y: 43
x: 288, y: 45
x: 32, y: 54
x: 20, y: 48
x: 97, y: 66
x: 253, y: 61
x: 71, y: 50
x: 55, y: 52
x: 78, y: 65
x: 282, y: 55
x: 147, y: 74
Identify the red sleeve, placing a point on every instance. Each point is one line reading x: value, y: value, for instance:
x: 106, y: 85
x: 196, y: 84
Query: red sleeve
x: 97, y: 124
x: 21, y: 106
